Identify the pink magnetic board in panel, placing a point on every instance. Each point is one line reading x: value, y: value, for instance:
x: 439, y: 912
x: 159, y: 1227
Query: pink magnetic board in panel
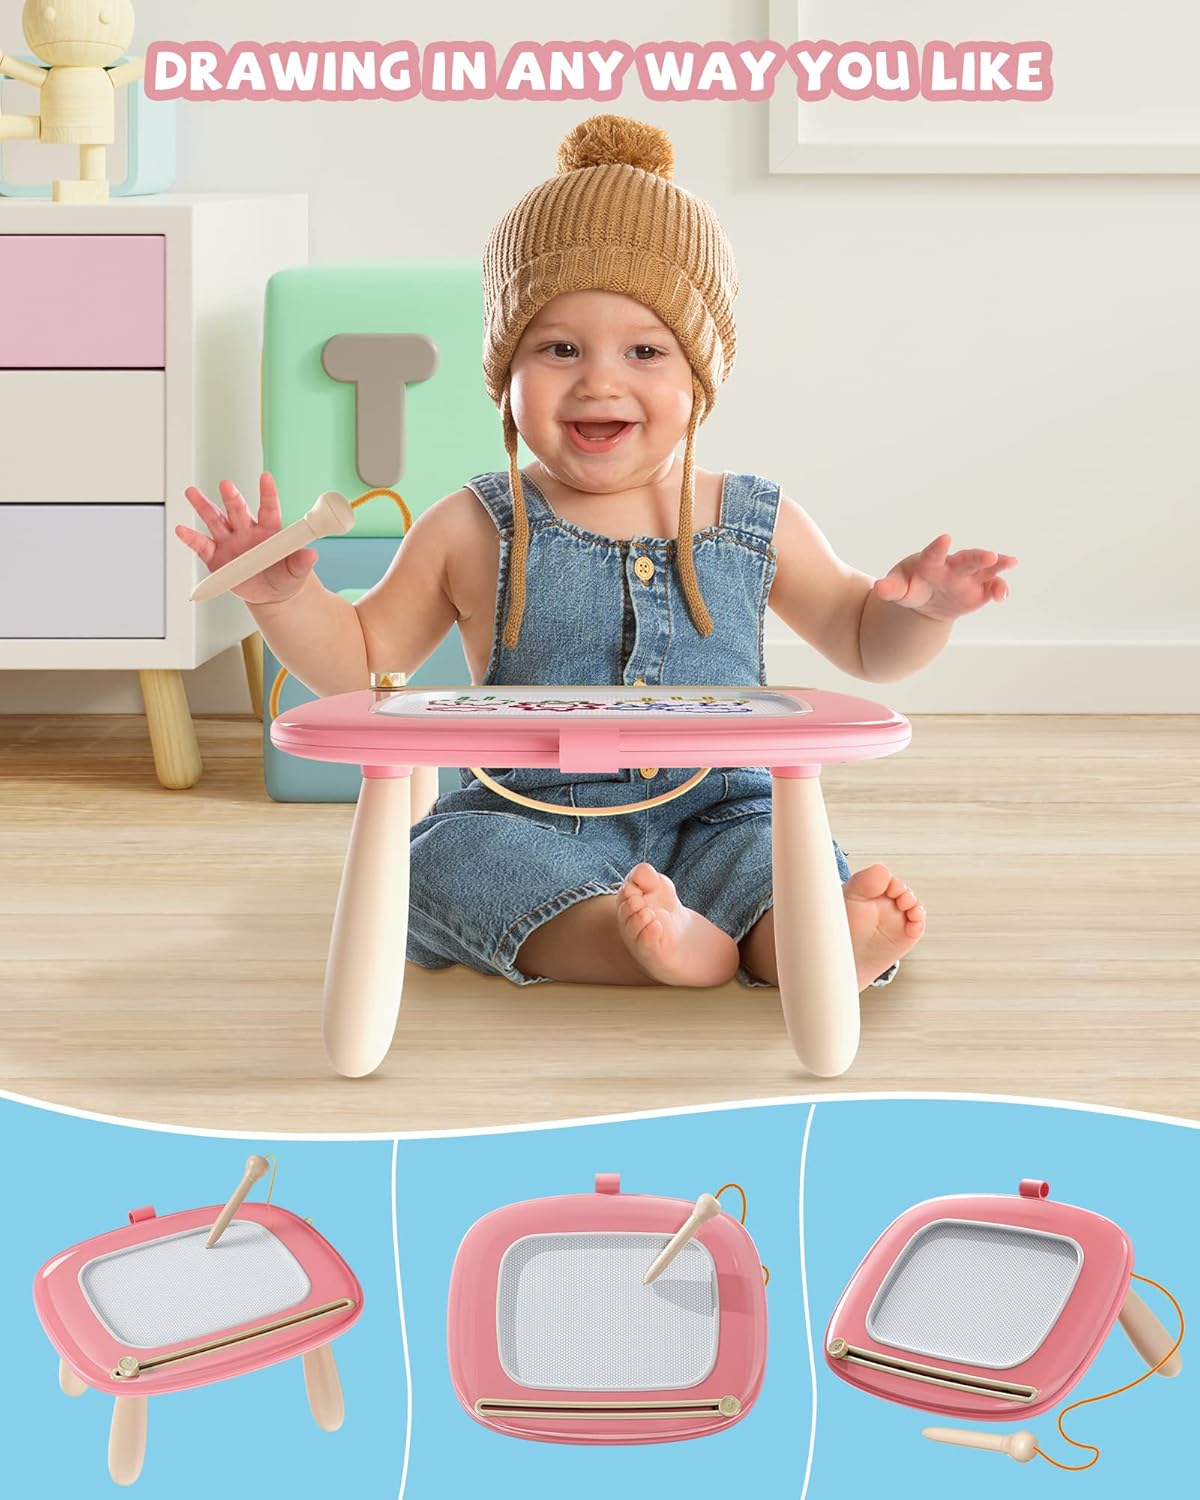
x: 981, y: 1307
x: 552, y: 1334
x: 150, y: 1289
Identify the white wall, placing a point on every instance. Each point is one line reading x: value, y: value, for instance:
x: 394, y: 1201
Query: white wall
x: 1015, y: 360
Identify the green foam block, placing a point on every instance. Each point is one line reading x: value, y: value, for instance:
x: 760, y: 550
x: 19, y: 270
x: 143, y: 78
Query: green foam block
x: 451, y: 430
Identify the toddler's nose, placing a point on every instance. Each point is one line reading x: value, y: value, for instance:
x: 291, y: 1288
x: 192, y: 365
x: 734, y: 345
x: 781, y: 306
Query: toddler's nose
x: 596, y: 377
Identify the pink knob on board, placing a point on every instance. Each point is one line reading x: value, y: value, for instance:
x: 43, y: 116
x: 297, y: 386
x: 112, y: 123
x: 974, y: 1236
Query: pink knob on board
x: 608, y: 1182
x: 1033, y: 1187
x: 136, y: 1215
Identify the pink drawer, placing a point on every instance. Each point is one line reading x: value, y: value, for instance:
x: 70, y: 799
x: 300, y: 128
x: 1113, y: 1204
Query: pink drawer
x: 82, y: 301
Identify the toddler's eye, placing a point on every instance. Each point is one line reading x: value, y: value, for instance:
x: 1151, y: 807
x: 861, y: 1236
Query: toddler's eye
x: 645, y: 353
x: 555, y: 349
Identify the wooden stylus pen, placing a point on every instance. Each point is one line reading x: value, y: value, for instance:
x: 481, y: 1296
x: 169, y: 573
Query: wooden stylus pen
x: 332, y: 515
x: 706, y: 1208
x: 256, y: 1167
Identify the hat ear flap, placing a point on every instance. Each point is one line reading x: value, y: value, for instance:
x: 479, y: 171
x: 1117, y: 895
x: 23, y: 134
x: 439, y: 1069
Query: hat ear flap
x: 520, y: 541
x: 698, y: 610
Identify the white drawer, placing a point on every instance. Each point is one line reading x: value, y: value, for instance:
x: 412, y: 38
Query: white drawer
x: 87, y: 572
x: 88, y: 437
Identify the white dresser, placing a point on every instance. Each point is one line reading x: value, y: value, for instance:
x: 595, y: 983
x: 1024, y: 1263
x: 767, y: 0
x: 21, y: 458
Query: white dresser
x: 130, y: 367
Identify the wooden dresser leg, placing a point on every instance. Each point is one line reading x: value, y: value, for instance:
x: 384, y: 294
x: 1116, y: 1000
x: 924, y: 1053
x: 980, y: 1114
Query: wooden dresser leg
x: 252, y: 655
x: 172, y: 734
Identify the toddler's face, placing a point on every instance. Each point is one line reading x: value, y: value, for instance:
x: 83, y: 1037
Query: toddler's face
x: 601, y: 391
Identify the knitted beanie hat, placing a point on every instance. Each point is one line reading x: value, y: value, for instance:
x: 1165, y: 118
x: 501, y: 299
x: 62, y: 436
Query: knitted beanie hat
x: 611, y: 221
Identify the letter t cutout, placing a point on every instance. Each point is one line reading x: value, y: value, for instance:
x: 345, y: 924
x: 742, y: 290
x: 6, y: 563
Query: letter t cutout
x: 380, y: 366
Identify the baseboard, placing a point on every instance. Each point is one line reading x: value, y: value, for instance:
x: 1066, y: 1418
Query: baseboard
x: 1020, y: 677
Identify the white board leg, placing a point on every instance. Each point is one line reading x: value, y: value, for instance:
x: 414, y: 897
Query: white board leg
x: 127, y: 1439
x: 425, y: 790
x: 1147, y: 1334
x: 68, y: 1382
x: 364, y: 977
x: 817, y: 981
x: 324, y: 1389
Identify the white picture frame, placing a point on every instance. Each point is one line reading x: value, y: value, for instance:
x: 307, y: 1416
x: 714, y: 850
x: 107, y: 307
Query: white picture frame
x: 1123, y: 99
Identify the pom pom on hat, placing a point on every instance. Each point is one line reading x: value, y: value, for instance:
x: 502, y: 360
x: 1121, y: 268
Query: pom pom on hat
x: 612, y: 140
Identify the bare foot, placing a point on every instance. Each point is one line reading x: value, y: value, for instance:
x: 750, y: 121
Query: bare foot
x: 669, y: 941
x: 886, y: 920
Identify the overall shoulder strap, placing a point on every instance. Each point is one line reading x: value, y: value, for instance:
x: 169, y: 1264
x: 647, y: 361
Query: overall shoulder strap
x: 751, y: 504
x: 495, y: 494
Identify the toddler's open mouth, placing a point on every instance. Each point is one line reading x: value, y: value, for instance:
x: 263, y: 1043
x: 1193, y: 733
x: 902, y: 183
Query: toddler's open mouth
x: 596, y: 437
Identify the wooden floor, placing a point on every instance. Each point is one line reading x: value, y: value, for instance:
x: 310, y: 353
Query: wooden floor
x: 161, y: 953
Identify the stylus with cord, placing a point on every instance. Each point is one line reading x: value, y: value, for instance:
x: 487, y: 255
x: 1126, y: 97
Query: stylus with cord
x: 332, y: 515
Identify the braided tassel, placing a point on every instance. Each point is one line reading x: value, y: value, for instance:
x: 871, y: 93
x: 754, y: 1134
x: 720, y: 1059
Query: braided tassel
x: 698, y: 610
x: 520, y: 543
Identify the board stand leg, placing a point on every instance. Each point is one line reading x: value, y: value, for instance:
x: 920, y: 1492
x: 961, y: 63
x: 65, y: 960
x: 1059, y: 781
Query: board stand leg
x: 172, y: 733
x: 818, y: 985
x: 364, y: 977
x: 68, y: 1382
x: 324, y: 1389
x: 127, y: 1439
x: 1147, y: 1335
x: 424, y: 790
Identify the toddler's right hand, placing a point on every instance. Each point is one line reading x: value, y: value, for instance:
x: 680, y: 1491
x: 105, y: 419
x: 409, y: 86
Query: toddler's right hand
x: 235, y: 531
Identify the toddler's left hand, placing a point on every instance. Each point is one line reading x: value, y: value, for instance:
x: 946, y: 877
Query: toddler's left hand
x: 943, y: 585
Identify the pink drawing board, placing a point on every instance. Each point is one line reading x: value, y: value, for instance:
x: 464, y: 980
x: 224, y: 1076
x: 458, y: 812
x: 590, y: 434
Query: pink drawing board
x: 552, y: 1335
x: 578, y: 729
x: 151, y: 1287
x: 981, y: 1292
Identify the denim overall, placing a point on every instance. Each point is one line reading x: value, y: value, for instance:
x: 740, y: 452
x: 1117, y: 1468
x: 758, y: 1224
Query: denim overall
x: 485, y: 871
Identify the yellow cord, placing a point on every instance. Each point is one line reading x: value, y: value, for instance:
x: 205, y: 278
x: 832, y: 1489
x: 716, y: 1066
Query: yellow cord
x: 406, y: 515
x: 737, y: 1188
x: 1088, y: 1400
x: 570, y: 811
x: 277, y: 688
x: 741, y: 1192
x: 373, y: 494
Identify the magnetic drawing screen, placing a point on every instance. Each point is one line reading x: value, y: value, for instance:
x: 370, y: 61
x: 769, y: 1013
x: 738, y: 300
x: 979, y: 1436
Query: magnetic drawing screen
x: 976, y: 1294
x: 573, y: 1315
x: 600, y: 702
x: 173, y: 1289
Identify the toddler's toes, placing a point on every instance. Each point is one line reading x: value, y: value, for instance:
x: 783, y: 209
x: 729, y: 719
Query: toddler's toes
x: 868, y: 884
x: 651, y: 882
x: 635, y: 923
x: 885, y: 918
x: 651, y: 935
x: 629, y: 901
x: 671, y: 943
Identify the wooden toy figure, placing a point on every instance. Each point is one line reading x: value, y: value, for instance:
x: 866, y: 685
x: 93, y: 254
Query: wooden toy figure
x: 80, y: 40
